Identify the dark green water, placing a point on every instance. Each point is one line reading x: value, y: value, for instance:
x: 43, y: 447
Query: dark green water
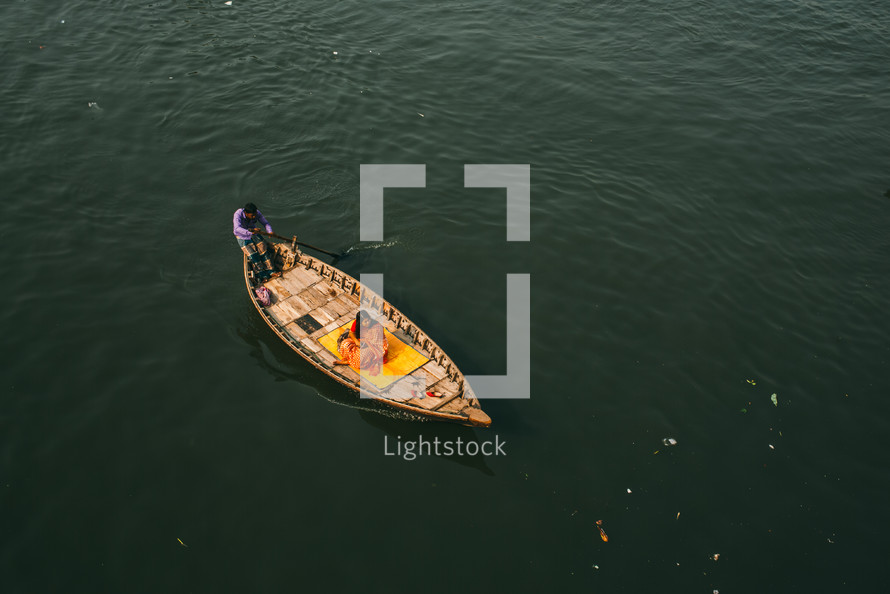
x: 708, y: 208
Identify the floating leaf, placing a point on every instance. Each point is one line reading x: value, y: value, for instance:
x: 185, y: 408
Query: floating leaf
x: 752, y: 382
x: 744, y: 410
x: 775, y: 399
x: 599, y: 524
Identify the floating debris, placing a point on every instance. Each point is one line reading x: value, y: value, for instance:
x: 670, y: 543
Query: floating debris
x: 678, y: 515
x: 775, y: 400
x: 629, y: 491
x: 229, y: 3
x: 752, y: 382
x: 715, y: 556
x: 669, y: 441
x: 772, y: 447
x: 599, y: 524
x: 182, y: 543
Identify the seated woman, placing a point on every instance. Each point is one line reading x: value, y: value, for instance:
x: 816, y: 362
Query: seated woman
x: 365, y: 347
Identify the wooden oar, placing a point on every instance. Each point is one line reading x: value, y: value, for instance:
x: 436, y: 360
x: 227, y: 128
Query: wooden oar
x: 293, y: 239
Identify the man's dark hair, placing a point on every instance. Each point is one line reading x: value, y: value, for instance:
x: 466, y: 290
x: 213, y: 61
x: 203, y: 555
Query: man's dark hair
x: 250, y: 207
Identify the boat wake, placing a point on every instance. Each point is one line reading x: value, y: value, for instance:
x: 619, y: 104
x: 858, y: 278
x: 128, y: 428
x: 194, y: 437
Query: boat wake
x: 370, y: 405
x: 370, y: 246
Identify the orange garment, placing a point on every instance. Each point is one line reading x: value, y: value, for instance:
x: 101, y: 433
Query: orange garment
x: 371, y: 355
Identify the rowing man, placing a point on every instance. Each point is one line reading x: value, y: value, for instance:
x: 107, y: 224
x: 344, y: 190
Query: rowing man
x: 247, y: 223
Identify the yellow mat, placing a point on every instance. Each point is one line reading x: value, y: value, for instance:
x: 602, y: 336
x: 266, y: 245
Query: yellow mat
x: 401, y: 358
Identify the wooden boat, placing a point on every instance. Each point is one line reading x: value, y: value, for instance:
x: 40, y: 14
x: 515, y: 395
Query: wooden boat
x: 313, y: 302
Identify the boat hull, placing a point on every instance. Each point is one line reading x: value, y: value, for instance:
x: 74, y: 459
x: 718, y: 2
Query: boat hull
x: 311, y: 303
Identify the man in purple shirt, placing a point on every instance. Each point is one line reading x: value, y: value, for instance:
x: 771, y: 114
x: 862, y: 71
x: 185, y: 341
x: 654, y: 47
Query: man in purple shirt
x: 247, y: 223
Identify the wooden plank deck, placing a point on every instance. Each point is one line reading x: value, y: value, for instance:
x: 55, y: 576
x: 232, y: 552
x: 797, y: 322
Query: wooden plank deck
x: 288, y: 310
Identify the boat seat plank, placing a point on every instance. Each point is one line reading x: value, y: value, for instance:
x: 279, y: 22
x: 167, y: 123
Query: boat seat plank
x: 312, y: 345
x: 453, y: 406
x: 299, y: 305
x: 318, y: 334
x: 442, y: 402
x: 312, y: 298
x: 435, y: 370
x: 445, y: 386
x: 324, y: 292
x: 278, y: 289
x: 424, y: 403
x: 349, y: 317
x: 322, y: 316
x: 327, y: 291
x: 326, y: 356
x: 302, y: 276
x: 349, y: 373
x: 335, y: 306
x: 288, y: 310
x: 297, y: 333
x: 292, y: 283
x: 348, y: 300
